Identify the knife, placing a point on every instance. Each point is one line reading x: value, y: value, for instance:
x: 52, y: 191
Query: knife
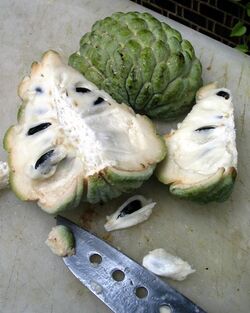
x: 121, y: 283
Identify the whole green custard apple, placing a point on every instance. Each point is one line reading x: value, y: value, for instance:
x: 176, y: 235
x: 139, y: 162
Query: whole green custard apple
x: 142, y: 62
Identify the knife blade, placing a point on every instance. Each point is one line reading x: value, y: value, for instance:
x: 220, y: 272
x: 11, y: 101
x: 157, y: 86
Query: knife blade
x: 121, y: 283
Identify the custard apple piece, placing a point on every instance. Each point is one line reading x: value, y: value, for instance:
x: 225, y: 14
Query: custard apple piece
x: 135, y: 58
x: 162, y: 263
x: 61, y: 241
x: 135, y: 210
x: 202, y: 157
x: 69, y: 133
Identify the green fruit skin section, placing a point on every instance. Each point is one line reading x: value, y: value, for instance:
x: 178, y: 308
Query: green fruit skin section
x: 67, y: 236
x: 141, y: 62
x: 99, y: 190
x: 111, y: 183
x: 126, y: 181
x: 219, y: 191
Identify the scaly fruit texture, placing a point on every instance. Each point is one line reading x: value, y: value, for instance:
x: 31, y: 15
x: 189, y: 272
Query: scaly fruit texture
x: 142, y: 62
x: 202, y: 156
x: 73, y: 141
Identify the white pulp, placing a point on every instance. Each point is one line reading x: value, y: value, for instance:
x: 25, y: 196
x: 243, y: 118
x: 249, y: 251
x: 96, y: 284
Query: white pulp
x: 194, y: 155
x: 165, y: 264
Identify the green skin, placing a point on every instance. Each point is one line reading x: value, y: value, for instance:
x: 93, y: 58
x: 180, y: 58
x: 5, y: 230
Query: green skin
x: 111, y: 183
x: 141, y: 62
x: 217, y: 190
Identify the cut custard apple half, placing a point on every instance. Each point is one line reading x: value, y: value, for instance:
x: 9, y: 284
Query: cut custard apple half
x: 202, y: 158
x: 73, y: 141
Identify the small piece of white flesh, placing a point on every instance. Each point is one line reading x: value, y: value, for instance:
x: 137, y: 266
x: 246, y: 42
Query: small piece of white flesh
x: 165, y: 264
x: 135, y: 210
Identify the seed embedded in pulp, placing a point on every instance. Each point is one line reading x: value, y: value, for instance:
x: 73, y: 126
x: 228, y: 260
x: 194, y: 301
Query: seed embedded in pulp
x: 205, y: 128
x: 98, y: 100
x: 223, y: 94
x: 82, y: 89
x: 43, y: 158
x: 131, y: 208
x: 38, y: 128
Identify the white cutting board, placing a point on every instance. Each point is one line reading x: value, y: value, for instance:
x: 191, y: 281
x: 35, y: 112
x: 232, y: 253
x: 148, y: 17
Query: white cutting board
x: 214, y: 238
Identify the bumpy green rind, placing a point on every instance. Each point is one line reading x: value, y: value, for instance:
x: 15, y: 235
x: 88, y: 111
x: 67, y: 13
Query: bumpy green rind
x: 218, y: 191
x: 99, y: 190
x: 142, y: 62
x: 111, y: 183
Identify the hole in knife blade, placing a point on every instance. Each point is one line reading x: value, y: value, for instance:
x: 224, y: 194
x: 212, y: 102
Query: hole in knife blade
x: 141, y: 292
x: 165, y: 309
x: 95, y: 259
x: 118, y: 275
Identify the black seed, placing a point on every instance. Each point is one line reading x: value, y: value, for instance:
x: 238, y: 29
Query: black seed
x: 98, y: 100
x: 131, y: 208
x: 39, y: 90
x: 82, y: 89
x: 223, y: 94
x: 38, y: 128
x: 205, y: 128
x: 43, y: 158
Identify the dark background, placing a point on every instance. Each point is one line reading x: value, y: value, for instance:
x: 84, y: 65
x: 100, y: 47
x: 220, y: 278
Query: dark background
x: 214, y: 18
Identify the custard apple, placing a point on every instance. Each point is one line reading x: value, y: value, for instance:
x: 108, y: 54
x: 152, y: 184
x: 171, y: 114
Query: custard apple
x: 73, y: 141
x: 142, y: 62
x: 61, y: 241
x: 202, y: 156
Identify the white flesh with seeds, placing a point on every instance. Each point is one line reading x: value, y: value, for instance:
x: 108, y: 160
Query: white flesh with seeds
x: 82, y: 131
x: 135, y: 210
x: 165, y: 264
x: 204, y: 142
